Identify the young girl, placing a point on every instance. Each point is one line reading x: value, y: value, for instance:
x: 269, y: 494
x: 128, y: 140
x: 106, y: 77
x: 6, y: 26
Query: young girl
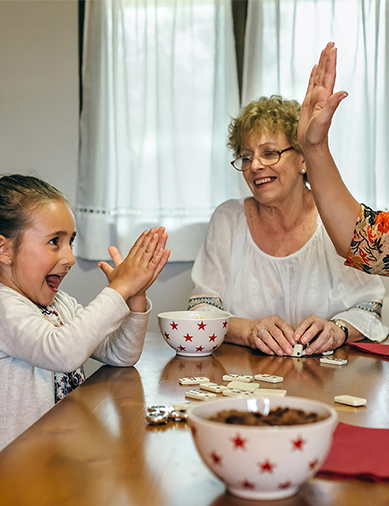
x: 44, y: 333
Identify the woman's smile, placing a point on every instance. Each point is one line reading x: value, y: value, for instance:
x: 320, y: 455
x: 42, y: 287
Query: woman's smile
x: 263, y: 181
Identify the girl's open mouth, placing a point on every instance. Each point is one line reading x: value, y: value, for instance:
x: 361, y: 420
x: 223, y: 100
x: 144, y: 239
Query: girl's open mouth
x: 53, y: 281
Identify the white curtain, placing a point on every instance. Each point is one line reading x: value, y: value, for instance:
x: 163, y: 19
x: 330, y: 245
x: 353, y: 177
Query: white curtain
x: 159, y: 89
x: 283, y: 42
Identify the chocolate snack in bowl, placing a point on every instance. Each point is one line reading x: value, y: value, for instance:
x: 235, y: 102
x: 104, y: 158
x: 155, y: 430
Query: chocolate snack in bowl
x: 263, y: 462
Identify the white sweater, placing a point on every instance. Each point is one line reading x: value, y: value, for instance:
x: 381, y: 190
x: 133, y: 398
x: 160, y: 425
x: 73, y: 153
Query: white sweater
x: 32, y: 349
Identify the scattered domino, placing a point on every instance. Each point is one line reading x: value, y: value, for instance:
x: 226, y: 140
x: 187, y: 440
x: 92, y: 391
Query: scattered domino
x: 194, y: 380
x: 213, y: 387
x: 200, y: 396
x: 269, y: 378
x: 241, y: 385
x: 350, y: 400
x: 229, y: 392
x: 270, y: 391
x: 239, y: 377
x: 333, y: 361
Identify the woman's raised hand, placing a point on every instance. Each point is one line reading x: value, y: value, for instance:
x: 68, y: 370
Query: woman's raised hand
x: 138, y: 271
x: 320, y: 102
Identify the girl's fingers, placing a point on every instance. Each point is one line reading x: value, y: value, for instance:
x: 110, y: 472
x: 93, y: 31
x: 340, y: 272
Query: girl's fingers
x: 115, y: 255
x: 162, y: 238
x: 106, y: 268
x: 158, y: 262
x: 134, y: 250
x: 163, y: 261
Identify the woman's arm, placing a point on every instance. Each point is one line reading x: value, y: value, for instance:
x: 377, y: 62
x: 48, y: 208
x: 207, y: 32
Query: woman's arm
x: 338, y: 208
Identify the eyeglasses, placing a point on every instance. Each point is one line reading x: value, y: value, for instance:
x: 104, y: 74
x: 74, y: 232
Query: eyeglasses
x: 267, y: 158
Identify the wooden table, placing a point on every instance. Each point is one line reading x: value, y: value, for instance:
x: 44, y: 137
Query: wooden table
x: 94, y: 447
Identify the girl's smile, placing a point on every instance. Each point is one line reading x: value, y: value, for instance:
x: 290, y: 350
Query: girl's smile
x: 45, y: 254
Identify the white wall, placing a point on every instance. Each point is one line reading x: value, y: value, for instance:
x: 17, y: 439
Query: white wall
x: 39, y: 123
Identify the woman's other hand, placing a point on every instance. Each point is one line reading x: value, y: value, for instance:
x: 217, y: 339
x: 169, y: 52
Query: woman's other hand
x: 273, y: 336
x: 319, y: 334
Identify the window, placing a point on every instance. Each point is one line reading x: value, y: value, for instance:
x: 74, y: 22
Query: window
x: 160, y: 87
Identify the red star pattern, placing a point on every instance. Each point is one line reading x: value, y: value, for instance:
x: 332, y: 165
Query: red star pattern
x: 201, y: 326
x: 287, y: 484
x: 225, y: 324
x: 212, y: 337
x: 216, y: 458
x: 313, y: 464
x: 266, y: 467
x: 248, y: 484
x: 166, y: 335
x: 200, y: 348
x: 188, y: 337
x: 298, y: 444
x: 239, y: 442
x: 182, y: 348
x: 214, y: 347
x: 174, y: 326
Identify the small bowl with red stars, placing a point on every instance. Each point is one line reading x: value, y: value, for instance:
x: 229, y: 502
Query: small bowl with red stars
x: 194, y: 333
x: 263, y: 448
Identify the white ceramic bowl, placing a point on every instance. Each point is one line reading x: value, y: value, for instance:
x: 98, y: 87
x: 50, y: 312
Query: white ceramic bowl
x: 262, y: 462
x: 194, y: 333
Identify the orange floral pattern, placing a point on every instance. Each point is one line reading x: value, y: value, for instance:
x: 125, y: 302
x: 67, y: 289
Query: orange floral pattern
x: 369, y: 248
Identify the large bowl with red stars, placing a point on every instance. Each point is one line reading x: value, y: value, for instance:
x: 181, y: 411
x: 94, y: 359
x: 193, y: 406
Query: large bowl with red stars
x: 257, y: 462
x: 194, y: 333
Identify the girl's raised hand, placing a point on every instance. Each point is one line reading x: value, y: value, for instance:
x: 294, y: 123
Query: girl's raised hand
x: 138, y: 271
x: 320, y: 102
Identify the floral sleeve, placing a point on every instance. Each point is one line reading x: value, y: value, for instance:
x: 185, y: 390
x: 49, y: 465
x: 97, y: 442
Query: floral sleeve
x: 369, y: 249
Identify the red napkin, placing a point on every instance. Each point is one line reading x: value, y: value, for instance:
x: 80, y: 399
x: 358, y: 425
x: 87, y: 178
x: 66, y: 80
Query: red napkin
x: 358, y: 453
x: 374, y: 348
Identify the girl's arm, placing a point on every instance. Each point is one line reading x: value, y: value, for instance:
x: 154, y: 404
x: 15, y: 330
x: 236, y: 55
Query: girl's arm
x: 338, y: 208
x: 26, y: 335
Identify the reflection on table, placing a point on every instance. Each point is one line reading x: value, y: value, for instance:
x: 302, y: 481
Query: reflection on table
x: 94, y: 448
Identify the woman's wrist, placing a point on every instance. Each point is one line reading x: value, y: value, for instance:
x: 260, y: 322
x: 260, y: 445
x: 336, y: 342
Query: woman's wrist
x: 343, y: 326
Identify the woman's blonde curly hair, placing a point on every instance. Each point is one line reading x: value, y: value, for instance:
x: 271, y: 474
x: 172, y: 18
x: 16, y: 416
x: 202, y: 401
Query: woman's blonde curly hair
x: 274, y: 114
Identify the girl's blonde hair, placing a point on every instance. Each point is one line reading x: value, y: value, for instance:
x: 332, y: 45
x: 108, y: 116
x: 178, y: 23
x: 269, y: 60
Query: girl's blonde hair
x: 274, y: 114
x: 19, y: 196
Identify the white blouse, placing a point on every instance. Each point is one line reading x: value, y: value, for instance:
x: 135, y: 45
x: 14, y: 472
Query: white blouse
x: 231, y: 272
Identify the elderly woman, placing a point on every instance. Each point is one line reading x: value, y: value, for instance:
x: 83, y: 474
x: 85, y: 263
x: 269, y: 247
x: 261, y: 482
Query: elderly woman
x: 268, y: 259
